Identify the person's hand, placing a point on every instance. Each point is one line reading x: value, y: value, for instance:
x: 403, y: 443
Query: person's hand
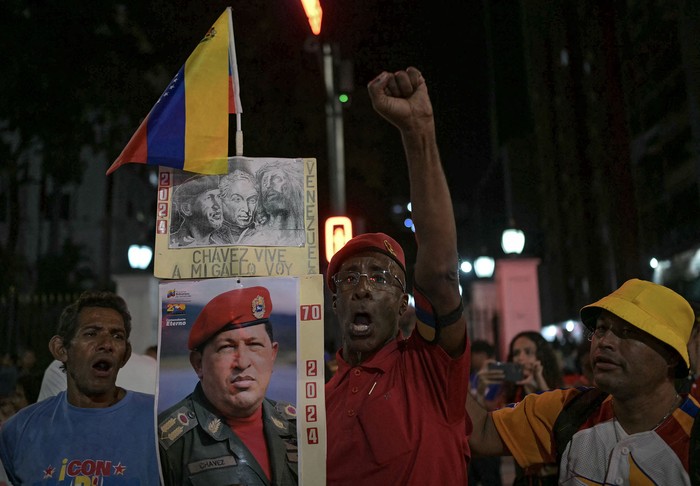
x: 402, y: 98
x: 488, y: 376
x: 533, y: 377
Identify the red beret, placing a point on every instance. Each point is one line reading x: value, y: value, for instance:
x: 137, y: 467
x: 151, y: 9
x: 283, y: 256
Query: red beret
x: 378, y: 242
x: 239, y: 308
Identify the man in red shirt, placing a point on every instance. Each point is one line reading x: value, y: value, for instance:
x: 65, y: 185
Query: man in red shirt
x: 395, y: 407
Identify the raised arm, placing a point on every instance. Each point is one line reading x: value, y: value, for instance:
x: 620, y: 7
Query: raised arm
x: 402, y: 98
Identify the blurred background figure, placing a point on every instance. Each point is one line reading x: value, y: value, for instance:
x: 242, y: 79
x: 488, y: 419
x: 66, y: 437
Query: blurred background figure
x: 584, y: 371
x: 541, y: 371
x: 3, y: 477
x: 691, y: 384
x: 26, y: 390
x: 8, y: 374
x: 330, y: 365
x: 152, y: 351
x: 26, y: 364
x: 483, y: 470
x: 541, y: 367
x: 7, y: 408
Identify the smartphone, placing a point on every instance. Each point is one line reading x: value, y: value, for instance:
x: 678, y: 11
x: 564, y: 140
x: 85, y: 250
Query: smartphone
x: 512, y: 371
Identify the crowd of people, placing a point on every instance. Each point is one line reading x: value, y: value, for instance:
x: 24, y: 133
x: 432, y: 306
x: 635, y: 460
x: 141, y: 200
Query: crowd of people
x: 402, y: 405
x: 20, y: 381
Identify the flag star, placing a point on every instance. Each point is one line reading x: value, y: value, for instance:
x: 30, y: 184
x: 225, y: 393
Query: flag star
x: 119, y: 469
x: 48, y: 472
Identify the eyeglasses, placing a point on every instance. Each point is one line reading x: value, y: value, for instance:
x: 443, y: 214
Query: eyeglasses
x: 625, y: 332
x: 378, y: 280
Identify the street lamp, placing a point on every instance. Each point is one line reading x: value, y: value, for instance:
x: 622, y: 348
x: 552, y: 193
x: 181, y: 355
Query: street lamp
x: 484, y: 266
x: 314, y: 13
x: 334, y: 110
x: 140, y: 256
x: 512, y: 240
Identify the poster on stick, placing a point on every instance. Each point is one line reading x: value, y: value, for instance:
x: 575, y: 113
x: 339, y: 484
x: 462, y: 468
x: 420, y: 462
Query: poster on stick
x: 291, y: 375
x: 258, y: 219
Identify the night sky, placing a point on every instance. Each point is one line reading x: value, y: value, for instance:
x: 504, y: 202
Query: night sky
x: 446, y: 41
x: 283, y: 97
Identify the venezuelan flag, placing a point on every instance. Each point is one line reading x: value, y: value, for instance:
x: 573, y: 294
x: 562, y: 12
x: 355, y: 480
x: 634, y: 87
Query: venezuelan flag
x: 188, y: 126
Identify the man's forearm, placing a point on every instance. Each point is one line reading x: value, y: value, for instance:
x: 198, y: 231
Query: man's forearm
x: 484, y: 439
x: 436, y: 272
x: 432, y: 213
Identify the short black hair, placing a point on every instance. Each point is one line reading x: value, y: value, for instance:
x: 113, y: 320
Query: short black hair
x: 483, y: 346
x: 31, y: 384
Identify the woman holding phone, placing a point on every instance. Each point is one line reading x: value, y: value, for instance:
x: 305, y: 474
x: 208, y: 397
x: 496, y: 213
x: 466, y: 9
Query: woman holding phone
x: 538, y: 369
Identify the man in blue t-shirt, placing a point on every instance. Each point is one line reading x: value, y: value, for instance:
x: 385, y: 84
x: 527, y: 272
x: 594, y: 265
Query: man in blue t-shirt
x: 94, y: 432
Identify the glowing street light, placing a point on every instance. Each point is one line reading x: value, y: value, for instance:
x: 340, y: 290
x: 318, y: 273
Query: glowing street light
x: 334, y: 110
x: 513, y: 241
x: 484, y: 267
x: 314, y: 13
x: 140, y: 256
x: 465, y: 266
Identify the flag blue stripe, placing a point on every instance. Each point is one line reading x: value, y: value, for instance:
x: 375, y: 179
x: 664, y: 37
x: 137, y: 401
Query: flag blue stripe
x: 166, y: 126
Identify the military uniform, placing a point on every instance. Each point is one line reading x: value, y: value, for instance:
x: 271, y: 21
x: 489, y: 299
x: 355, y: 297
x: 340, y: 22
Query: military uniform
x: 197, y: 447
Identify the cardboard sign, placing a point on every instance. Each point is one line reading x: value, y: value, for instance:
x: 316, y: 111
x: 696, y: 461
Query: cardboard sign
x: 298, y: 372
x: 212, y: 226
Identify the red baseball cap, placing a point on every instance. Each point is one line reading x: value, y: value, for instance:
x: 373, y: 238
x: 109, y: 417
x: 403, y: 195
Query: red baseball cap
x: 378, y: 242
x: 234, y: 309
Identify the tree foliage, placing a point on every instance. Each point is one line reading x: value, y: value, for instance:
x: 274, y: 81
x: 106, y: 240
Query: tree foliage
x: 64, y: 89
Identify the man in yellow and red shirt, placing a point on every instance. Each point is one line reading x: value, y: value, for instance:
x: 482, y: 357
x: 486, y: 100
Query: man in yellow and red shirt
x: 640, y: 434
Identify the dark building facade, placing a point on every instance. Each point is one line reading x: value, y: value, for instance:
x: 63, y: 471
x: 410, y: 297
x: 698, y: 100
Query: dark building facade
x: 613, y: 155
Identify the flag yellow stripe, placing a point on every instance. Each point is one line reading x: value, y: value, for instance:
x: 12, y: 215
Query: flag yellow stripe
x: 206, y: 102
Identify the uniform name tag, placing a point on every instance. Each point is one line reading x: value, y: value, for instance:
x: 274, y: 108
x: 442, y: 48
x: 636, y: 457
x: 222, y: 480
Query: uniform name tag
x: 214, y: 463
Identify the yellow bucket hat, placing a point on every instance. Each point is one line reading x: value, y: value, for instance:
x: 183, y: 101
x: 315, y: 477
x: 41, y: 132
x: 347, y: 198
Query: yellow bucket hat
x: 653, y: 308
